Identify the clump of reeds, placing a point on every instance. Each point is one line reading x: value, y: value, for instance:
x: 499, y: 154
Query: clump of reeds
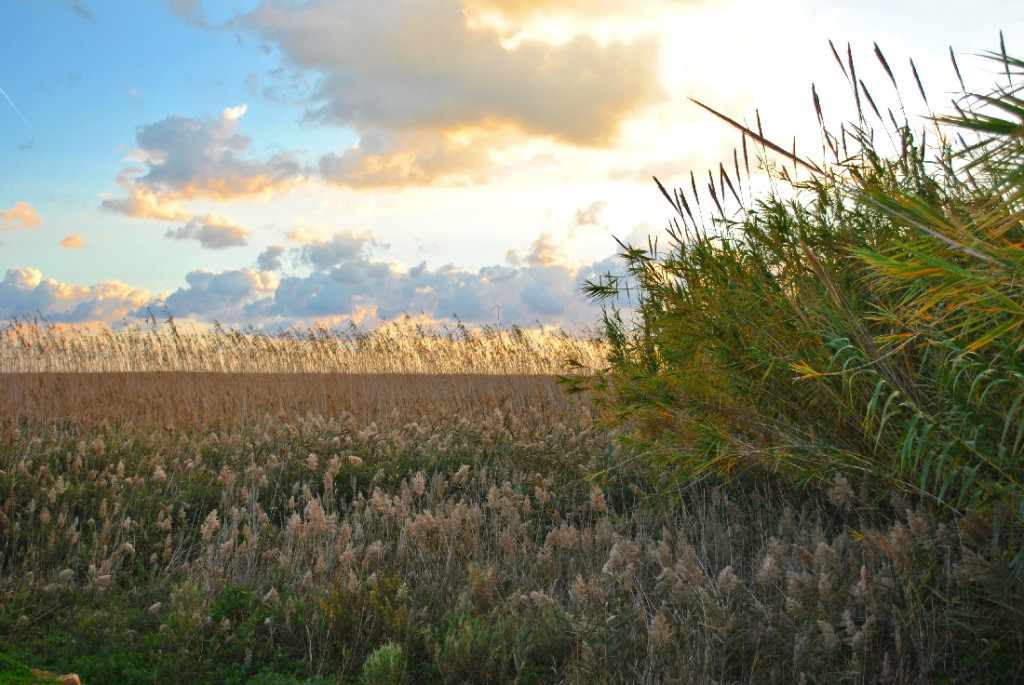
x: 859, y: 330
x: 867, y: 324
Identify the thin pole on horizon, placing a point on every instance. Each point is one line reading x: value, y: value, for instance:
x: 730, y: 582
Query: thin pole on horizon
x: 498, y: 307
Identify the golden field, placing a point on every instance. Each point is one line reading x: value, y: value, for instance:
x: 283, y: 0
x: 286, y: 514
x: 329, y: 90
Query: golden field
x: 281, y: 527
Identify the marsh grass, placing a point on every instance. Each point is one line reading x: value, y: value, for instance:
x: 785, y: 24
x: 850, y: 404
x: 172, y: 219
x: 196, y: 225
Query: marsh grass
x: 734, y: 495
x: 177, y: 400
x: 33, y: 345
x: 466, y: 547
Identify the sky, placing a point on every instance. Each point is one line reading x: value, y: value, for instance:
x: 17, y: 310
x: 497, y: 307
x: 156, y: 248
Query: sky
x: 279, y: 163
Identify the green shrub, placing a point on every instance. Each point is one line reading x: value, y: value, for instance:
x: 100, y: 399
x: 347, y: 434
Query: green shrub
x: 387, y: 665
x: 503, y: 645
x: 474, y: 648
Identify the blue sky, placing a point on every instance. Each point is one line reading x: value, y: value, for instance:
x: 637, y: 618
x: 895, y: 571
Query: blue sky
x: 275, y: 163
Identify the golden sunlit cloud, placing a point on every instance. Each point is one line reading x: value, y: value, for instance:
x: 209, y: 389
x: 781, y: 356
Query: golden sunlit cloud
x: 108, y: 301
x: 235, y: 186
x: 305, y: 233
x: 519, y: 9
x: 432, y: 96
x: 233, y: 113
x: 145, y: 203
x: 21, y: 214
x: 545, y: 251
x: 384, y: 159
x: 72, y: 242
x: 23, y: 278
x: 198, y: 158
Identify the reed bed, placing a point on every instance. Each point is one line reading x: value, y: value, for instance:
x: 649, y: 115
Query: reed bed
x: 212, y: 527
x: 217, y: 527
x: 462, y: 546
x: 38, y: 346
x: 177, y: 400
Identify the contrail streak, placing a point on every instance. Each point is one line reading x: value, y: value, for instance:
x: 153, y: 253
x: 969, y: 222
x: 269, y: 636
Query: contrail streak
x: 15, y: 107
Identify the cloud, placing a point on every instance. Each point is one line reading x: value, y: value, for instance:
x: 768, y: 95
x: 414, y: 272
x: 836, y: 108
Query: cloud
x: 184, y: 8
x: 201, y: 157
x: 589, y: 216
x: 21, y: 214
x: 395, y: 158
x: 233, y: 113
x: 546, y: 250
x: 344, y: 248
x: 548, y: 291
x: 188, y: 158
x: 190, y: 11
x: 213, y: 231
x: 414, y: 79
x: 270, y: 258
x: 664, y: 170
x: 303, y: 232
x: 347, y: 283
x: 24, y: 291
x: 523, y: 295
x: 72, y: 242
x: 339, y: 279
x: 224, y: 296
x: 549, y: 250
x: 522, y: 8
x: 145, y: 203
x: 78, y: 7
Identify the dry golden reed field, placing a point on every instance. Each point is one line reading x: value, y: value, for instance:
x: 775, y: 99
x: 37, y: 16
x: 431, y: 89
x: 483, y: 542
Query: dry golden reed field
x: 408, y: 506
x: 181, y: 379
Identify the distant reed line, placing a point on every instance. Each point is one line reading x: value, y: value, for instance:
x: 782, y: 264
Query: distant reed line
x: 32, y: 346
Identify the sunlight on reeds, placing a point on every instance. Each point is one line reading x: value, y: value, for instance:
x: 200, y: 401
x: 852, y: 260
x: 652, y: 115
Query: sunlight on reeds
x: 30, y: 345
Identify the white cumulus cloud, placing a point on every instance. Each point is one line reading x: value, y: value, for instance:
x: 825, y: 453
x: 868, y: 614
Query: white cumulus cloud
x: 212, y: 231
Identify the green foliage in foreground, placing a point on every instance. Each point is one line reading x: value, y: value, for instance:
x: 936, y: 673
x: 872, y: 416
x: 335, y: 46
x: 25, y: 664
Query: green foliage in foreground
x: 867, y: 323
x: 862, y: 327
x: 13, y: 672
